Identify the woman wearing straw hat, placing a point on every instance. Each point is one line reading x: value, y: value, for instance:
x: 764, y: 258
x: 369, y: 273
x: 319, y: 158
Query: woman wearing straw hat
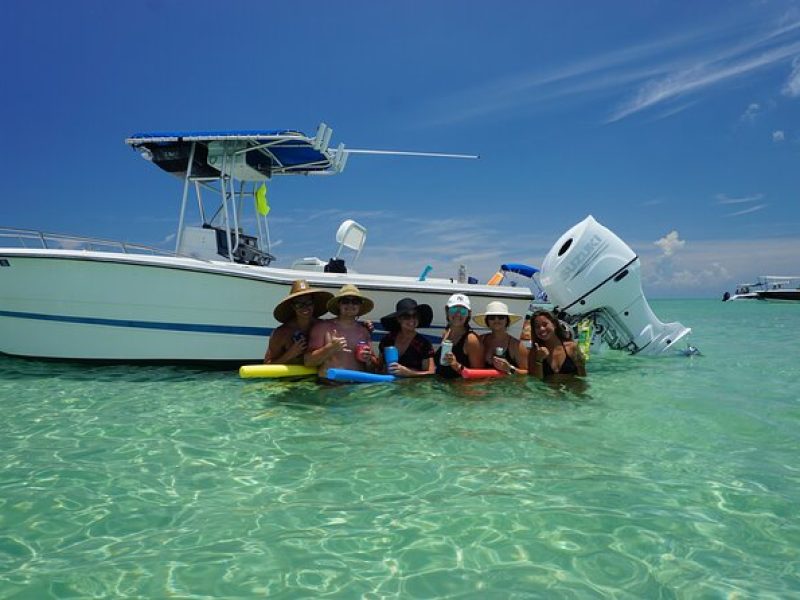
x: 415, y: 353
x: 343, y: 342
x: 298, y: 312
x: 502, y: 350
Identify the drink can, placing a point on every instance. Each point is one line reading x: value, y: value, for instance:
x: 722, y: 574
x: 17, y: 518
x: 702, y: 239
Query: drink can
x: 390, y: 355
x: 499, y: 351
x: 447, y: 346
x: 362, y: 350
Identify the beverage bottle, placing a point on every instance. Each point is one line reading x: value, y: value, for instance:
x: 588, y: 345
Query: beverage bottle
x: 390, y: 355
x: 462, y: 274
x: 425, y: 272
x: 362, y: 351
x: 447, y: 346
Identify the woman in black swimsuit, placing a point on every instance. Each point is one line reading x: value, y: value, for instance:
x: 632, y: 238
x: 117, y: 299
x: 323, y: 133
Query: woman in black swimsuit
x: 501, y: 350
x: 466, y: 350
x: 415, y: 353
x: 552, y: 354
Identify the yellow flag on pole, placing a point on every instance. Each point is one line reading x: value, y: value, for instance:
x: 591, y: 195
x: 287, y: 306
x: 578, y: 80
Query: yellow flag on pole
x: 262, y: 203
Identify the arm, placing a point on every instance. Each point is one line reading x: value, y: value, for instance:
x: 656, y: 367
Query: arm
x: 536, y: 358
x: 578, y: 358
x: 519, y: 353
x: 280, y: 350
x: 428, y: 363
x: 324, y: 344
x: 474, y: 351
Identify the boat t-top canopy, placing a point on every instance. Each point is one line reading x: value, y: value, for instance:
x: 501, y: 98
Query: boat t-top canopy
x: 235, y: 165
x: 245, y: 155
x: 251, y: 155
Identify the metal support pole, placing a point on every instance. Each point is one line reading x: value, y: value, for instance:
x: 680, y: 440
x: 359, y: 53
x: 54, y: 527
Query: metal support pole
x: 179, y: 237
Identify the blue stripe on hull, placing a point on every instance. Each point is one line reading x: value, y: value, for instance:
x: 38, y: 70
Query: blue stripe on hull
x: 193, y: 327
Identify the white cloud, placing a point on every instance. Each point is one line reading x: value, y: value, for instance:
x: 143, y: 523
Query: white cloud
x: 723, y: 199
x: 660, y: 72
x: 709, y: 267
x: 705, y: 73
x: 751, y: 112
x: 670, y: 243
x: 792, y: 86
x: 778, y: 136
x: 747, y: 211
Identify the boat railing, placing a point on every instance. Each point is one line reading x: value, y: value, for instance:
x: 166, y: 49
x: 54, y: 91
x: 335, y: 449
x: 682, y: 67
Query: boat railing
x: 29, y: 238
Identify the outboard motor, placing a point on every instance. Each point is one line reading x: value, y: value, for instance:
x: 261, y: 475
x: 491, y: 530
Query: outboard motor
x: 590, y: 272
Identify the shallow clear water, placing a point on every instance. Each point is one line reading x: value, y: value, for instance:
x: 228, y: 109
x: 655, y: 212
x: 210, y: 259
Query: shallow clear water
x: 660, y: 478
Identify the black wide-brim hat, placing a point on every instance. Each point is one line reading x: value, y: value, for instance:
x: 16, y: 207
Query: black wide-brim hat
x: 408, y: 305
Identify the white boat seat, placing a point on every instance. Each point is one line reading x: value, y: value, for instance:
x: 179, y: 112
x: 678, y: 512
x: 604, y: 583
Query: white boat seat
x: 351, y: 235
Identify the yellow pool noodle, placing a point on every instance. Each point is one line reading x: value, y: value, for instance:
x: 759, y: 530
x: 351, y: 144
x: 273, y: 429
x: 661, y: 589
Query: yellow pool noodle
x: 272, y: 371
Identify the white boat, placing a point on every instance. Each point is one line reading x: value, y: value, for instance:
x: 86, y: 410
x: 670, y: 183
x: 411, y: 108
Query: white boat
x: 211, y: 300
x: 744, y: 291
x: 772, y: 288
x: 779, y: 288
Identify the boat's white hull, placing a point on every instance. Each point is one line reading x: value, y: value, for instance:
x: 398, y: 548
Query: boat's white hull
x: 747, y: 296
x: 113, y: 306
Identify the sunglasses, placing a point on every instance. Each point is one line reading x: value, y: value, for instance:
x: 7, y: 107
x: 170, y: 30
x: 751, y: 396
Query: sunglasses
x: 496, y: 317
x: 350, y: 300
x: 302, y: 303
x: 407, y: 316
x: 457, y: 310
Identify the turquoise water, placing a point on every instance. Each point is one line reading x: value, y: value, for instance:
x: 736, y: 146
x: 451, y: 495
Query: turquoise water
x: 661, y: 478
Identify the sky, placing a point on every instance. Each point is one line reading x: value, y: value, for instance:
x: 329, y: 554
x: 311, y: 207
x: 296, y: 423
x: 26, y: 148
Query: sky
x: 675, y: 124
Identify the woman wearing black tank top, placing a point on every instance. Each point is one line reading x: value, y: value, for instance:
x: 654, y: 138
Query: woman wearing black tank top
x: 466, y: 350
x: 552, y: 354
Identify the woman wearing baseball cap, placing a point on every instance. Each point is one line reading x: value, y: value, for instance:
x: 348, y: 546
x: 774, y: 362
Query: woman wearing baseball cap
x: 466, y: 346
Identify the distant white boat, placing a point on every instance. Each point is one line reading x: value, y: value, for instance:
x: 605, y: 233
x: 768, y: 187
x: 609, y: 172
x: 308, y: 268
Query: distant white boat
x: 211, y: 300
x: 744, y: 291
x: 772, y: 288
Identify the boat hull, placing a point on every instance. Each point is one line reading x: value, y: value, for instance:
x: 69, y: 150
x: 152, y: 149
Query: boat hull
x: 77, y: 305
x: 780, y: 295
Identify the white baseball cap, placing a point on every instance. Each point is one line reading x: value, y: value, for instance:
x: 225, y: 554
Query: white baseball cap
x: 458, y: 300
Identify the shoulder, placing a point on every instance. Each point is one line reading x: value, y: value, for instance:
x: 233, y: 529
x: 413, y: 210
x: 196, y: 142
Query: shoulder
x: 282, y: 331
x: 322, y: 324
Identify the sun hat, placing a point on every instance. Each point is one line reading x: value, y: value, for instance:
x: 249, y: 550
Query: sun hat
x: 408, y: 305
x: 458, y: 300
x: 284, y: 311
x: 496, y: 308
x: 349, y: 290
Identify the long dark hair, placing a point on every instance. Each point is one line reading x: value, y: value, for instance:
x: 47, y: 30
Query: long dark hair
x: 560, y: 333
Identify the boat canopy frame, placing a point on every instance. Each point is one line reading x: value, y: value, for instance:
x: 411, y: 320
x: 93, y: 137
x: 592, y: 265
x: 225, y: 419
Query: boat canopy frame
x: 227, y: 160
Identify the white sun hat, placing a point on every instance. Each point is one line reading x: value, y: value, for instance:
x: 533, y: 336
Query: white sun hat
x: 496, y: 308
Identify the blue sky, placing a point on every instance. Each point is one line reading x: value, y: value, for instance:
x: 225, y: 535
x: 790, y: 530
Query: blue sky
x: 675, y: 124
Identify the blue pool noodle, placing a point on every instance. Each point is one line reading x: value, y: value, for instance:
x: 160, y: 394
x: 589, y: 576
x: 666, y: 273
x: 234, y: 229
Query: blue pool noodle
x: 357, y: 376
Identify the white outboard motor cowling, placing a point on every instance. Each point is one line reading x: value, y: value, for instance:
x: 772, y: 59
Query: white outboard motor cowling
x: 590, y: 271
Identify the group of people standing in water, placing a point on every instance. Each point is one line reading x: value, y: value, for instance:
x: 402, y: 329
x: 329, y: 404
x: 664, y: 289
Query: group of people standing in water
x: 345, y: 342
